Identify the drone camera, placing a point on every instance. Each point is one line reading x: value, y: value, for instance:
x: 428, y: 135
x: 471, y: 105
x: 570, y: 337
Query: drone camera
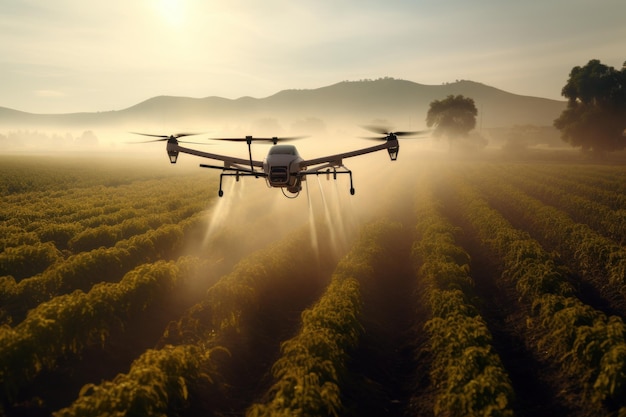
x: 173, y: 155
x: 393, y: 152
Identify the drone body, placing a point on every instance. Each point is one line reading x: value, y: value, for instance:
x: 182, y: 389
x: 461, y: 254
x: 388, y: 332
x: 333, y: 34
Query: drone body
x: 283, y: 167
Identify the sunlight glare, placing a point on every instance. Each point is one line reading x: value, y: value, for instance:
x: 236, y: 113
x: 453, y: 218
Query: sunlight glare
x: 172, y: 11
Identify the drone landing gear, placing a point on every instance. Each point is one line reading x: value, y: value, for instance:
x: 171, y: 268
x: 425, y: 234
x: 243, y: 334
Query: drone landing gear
x: 351, y: 186
x: 334, y: 173
x: 237, y: 175
x: 220, y: 193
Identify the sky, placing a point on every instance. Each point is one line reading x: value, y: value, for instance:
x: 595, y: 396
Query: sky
x: 67, y: 56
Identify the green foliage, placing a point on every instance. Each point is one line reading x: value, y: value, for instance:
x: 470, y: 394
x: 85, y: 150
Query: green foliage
x: 453, y: 116
x: 610, y: 382
x: 13, y: 235
x: 158, y: 384
x: 468, y: 374
x: 27, y: 260
x: 59, y: 234
x: 89, y: 253
x: 93, y: 238
x: 311, y: 367
x: 311, y: 371
x: 595, y: 117
x: 85, y: 269
x: 71, y: 322
x: 477, y: 386
x: 584, y: 341
x: 599, y: 259
x: 228, y: 307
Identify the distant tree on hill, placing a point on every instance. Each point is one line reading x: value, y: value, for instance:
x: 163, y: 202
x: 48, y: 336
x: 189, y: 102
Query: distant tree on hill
x: 453, y: 117
x: 595, y: 117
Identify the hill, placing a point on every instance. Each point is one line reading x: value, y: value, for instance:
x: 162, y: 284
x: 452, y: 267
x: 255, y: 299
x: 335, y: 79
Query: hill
x: 401, y: 103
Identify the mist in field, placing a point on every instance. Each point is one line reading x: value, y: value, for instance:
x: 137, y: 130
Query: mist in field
x: 251, y: 215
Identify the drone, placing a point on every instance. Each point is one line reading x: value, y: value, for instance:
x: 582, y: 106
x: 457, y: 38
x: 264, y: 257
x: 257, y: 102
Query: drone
x: 283, y: 167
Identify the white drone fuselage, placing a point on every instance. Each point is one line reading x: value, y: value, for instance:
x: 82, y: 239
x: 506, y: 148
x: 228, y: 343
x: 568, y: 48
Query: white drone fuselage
x: 281, y: 166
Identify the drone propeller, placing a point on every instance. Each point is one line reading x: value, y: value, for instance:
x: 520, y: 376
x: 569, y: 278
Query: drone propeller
x: 165, y: 138
x: 250, y: 139
x: 388, y: 133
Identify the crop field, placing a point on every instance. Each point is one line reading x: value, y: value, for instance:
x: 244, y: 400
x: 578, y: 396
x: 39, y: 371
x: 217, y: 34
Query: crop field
x: 444, y: 287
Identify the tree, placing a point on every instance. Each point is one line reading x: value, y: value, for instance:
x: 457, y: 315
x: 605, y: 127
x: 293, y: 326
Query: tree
x: 452, y: 117
x: 595, y: 117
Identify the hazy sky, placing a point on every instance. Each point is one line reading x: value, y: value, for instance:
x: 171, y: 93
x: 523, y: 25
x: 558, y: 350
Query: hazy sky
x: 74, y: 55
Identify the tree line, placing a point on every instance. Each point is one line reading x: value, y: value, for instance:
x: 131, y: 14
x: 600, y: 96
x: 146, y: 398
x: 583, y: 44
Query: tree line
x: 594, y: 120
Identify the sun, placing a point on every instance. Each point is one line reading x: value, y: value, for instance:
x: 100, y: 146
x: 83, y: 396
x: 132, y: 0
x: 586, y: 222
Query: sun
x: 172, y: 11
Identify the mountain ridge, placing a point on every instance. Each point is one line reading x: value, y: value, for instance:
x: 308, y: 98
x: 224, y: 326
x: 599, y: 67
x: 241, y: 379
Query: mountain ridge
x: 388, y: 99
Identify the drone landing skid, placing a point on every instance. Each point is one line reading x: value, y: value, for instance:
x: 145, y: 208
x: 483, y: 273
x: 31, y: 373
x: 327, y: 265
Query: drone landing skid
x: 237, y: 174
x: 334, y: 173
x: 328, y: 172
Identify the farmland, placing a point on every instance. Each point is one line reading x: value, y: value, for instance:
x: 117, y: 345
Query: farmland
x: 445, y: 287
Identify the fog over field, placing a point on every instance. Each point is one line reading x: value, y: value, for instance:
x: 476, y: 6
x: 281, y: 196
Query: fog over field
x: 332, y: 115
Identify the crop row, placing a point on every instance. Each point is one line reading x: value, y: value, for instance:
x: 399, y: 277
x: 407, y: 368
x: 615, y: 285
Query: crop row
x: 64, y: 200
x: 99, y: 205
x: 65, y: 218
x: 159, y: 383
x: 85, y: 269
x: 468, y: 375
x: 588, y: 345
x: 310, y: 376
x: 28, y: 174
x: 182, y: 372
x: 606, y: 185
x: 30, y: 259
x: 72, y: 322
x: 287, y: 331
x: 583, y: 208
x: 596, y: 258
